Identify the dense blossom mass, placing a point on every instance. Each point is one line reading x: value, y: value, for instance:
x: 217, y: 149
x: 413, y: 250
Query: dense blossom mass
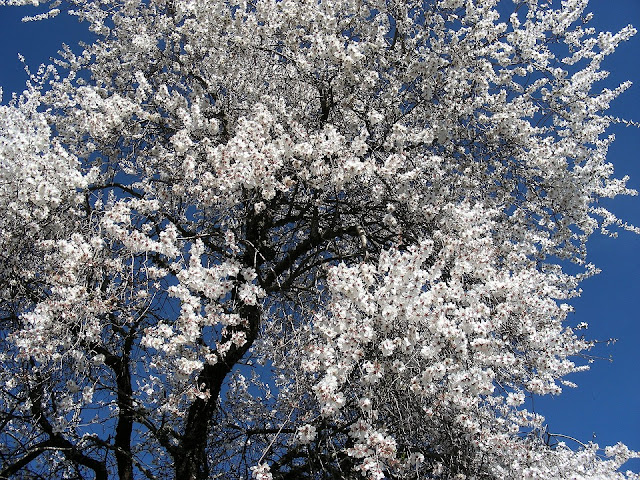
x: 302, y: 239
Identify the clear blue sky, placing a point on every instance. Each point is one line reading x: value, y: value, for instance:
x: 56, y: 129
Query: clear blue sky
x: 607, y: 400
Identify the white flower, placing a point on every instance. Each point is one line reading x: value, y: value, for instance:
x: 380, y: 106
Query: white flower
x: 261, y: 472
x: 87, y: 394
x: 72, y: 386
x: 515, y: 399
x: 306, y: 434
x: 387, y: 346
x: 375, y: 117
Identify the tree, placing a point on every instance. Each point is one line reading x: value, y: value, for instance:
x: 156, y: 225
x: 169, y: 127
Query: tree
x: 292, y: 239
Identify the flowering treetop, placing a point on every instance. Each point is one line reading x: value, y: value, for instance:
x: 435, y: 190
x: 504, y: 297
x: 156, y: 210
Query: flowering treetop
x: 302, y: 239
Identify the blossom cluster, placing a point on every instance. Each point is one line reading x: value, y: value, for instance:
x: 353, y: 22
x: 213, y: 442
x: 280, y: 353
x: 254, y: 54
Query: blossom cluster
x: 374, y: 201
x: 452, y: 329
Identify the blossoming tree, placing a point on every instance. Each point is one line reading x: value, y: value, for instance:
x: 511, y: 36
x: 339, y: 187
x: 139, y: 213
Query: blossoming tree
x: 302, y: 239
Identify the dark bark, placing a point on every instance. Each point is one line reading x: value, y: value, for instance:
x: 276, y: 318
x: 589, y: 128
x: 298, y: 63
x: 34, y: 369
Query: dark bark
x: 191, y: 456
x: 122, y: 441
x: 124, y: 427
x: 33, y: 453
x: 57, y: 442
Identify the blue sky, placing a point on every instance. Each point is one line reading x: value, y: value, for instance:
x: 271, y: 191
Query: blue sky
x: 607, y: 401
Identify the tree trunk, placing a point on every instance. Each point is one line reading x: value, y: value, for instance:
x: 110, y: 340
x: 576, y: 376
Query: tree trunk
x: 191, y: 455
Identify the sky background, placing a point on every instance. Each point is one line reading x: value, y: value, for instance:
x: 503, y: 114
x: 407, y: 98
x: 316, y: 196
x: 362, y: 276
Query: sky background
x: 606, y: 405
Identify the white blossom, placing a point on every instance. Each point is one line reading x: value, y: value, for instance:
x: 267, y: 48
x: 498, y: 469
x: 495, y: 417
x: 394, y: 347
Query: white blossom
x: 299, y: 238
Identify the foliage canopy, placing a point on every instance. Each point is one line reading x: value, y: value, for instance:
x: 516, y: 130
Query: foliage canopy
x: 302, y: 239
